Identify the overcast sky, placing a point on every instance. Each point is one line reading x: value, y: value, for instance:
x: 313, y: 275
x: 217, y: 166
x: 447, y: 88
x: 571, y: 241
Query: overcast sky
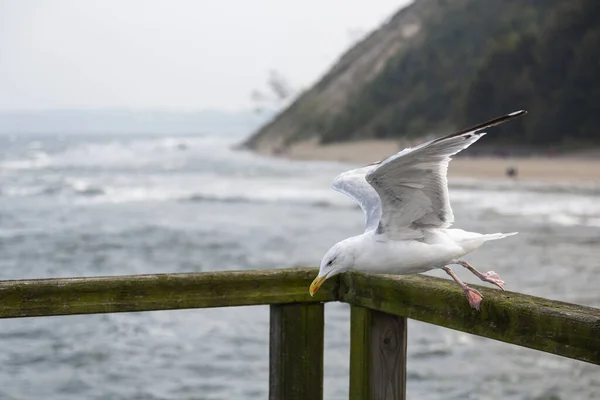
x: 170, y: 54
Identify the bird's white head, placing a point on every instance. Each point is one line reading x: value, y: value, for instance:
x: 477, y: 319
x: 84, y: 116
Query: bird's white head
x: 338, y: 259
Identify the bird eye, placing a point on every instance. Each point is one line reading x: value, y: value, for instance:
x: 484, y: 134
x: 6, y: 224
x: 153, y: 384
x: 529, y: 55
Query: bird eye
x: 329, y: 263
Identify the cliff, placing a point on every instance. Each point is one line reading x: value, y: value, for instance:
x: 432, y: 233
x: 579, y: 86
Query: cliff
x: 439, y: 64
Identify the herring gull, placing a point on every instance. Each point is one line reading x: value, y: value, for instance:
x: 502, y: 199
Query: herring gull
x: 408, y: 215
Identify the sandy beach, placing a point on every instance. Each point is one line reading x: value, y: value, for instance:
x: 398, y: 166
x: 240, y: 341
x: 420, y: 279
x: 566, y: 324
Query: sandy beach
x: 569, y: 168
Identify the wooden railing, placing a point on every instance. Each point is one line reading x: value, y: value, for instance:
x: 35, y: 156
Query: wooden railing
x: 380, y: 305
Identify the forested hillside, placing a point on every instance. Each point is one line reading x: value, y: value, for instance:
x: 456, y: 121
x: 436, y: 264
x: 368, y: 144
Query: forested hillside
x: 554, y: 72
x: 470, y: 60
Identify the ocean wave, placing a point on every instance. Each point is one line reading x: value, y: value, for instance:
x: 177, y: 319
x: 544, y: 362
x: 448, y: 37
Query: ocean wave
x: 167, y: 153
x: 33, y: 160
x: 125, y: 189
x: 60, y: 188
x: 561, y: 208
x: 206, y: 171
x: 504, y: 185
x: 555, y: 208
x: 204, y: 198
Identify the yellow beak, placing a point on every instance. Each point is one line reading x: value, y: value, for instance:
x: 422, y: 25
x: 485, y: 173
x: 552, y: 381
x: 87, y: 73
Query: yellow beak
x: 316, y: 284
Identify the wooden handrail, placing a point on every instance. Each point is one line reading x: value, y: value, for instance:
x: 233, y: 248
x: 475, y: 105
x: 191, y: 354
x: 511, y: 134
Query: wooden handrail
x: 565, y: 329
x: 380, y: 306
x: 111, y: 294
x: 556, y: 327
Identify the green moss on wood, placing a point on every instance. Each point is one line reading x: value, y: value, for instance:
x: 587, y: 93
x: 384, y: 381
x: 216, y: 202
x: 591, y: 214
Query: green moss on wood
x: 45, y: 297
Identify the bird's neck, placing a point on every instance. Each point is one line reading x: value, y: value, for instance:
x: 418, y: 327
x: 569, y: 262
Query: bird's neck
x: 353, y: 246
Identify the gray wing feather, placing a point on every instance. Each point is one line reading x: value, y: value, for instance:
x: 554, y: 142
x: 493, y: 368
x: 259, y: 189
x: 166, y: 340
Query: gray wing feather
x: 354, y: 185
x: 412, y: 184
x: 413, y: 188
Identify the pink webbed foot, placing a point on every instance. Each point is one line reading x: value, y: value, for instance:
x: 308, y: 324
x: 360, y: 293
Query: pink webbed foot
x: 490, y: 276
x: 473, y: 297
x: 494, y: 278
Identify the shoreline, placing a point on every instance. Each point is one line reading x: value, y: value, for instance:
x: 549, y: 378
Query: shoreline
x: 559, y: 168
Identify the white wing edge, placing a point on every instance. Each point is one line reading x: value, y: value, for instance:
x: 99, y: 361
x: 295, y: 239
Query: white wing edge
x: 353, y: 184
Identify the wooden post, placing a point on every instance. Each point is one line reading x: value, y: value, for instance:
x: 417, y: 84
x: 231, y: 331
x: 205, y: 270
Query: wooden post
x: 377, y: 355
x: 296, y: 352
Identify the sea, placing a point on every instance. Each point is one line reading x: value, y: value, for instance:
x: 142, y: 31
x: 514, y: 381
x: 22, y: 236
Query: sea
x: 96, y: 205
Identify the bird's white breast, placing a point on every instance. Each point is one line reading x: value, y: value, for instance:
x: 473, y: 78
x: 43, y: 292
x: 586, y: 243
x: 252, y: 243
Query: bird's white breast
x: 403, y: 256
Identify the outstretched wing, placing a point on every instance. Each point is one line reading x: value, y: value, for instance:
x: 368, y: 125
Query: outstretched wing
x: 412, y: 184
x: 353, y: 184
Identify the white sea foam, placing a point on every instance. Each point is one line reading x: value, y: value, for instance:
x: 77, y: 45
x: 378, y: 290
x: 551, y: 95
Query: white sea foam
x: 165, y: 152
x: 205, y: 169
x: 564, y: 208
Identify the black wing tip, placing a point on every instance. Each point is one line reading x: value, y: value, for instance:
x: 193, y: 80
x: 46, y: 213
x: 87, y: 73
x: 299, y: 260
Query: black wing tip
x: 475, y: 130
x: 503, y: 118
x: 487, y: 124
x: 517, y: 113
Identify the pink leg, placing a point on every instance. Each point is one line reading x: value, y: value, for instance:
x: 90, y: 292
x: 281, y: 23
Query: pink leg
x: 489, y: 276
x: 473, y: 296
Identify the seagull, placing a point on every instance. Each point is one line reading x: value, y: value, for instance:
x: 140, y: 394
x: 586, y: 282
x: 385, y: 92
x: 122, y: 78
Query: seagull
x: 408, y: 215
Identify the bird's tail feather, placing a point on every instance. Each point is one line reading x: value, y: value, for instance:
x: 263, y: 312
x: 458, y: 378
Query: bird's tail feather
x: 496, y: 236
x: 473, y: 243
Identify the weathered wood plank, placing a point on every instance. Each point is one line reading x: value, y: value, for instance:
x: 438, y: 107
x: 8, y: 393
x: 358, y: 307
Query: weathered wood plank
x: 555, y: 327
x: 44, y: 297
x: 296, y: 352
x: 377, y: 355
x: 560, y: 328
